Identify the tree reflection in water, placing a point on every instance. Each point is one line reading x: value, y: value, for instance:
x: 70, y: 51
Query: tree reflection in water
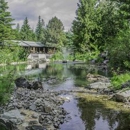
x: 99, y: 114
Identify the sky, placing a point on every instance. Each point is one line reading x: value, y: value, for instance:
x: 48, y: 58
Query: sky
x: 62, y: 9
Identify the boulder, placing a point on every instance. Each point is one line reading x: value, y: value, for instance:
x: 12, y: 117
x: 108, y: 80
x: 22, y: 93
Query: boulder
x: 37, y: 85
x: 35, y: 127
x: 99, y: 85
x: 14, y: 116
x: 6, y: 124
x: 22, y: 82
x: 96, y: 78
x: 123, y: 96
x: 126, y: 84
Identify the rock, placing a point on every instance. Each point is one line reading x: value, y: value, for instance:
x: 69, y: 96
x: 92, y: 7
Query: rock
x: 7, y: 125
x: 33, y: 122
x: 22, y: 82
x: 36, y: 107
x: 35, y: 116
x: 126, y: 84
x: 99, y: 85
x: 64, y: 61
x: 35, y: 127
x: 47, y: 109
x: 105, y: 62
x: 13, y: 116
x: 37, y: 85
x: 96, y: 78
x: 123, y: 96
x: 33, y: 107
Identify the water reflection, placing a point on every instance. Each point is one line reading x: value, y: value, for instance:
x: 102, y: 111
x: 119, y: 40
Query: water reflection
x: 97, y: 115
x: 36, y: 65
x: 2, y: 127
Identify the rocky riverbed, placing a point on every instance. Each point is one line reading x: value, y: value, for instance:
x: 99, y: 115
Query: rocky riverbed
x: 33, y: 110
x: 31, y: 107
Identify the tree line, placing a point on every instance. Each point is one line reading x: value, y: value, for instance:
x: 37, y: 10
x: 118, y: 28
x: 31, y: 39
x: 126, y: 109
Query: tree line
x: 100, y: 25
x: 103, y: 25
x: 53, y: 32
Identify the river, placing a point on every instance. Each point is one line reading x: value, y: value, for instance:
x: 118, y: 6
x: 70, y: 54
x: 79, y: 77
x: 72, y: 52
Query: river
x: 84, y: 113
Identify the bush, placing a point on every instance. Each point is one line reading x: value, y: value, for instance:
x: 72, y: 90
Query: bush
x: 118, y: 80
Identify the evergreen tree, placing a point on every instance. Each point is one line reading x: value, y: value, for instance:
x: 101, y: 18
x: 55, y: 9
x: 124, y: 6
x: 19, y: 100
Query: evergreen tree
x: 18, y: 27
x: 33, y: 35
x: 26, y: 30
x: 54, y: 32
x: 40, y: 30
x: 17, y: 32
x: 95, y: 24
x: 84, y: 25
x: 5, y: 22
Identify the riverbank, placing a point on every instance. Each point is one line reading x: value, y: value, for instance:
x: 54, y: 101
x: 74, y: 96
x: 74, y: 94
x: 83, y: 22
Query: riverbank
x: 65, y: 86
x: 31, y: 109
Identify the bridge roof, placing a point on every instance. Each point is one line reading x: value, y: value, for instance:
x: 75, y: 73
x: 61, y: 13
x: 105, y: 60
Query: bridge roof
x: 29, y: 43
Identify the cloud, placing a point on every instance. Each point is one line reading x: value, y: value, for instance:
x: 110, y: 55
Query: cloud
x: 63, y: 9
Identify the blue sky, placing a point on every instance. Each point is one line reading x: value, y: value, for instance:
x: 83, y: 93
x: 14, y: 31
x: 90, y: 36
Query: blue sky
x: 63, y: 9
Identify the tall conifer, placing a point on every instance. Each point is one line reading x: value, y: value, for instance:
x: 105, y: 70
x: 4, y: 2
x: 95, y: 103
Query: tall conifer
x: 5, y: 22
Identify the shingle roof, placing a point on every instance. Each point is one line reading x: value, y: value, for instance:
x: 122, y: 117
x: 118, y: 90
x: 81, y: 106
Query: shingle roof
x: 28, y: 43
x: 33, y: 44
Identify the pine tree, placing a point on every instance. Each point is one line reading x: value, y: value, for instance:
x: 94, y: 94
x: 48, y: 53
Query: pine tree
x: 5, y: 22
x: 84, y: 25
x: 55, y: 32
x: 40, y: 30
x: 17, y: 32
x: 18, y: 27
x: 25, y: 32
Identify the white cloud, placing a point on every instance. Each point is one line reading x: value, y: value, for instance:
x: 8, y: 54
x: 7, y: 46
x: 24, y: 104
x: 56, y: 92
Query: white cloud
x: 63, y: 9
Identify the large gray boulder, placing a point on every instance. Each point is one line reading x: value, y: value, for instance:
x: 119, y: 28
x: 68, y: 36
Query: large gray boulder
x: 14, y: 116
x: 99, y: 85
x: 123, y: 96
x: 96, y: 78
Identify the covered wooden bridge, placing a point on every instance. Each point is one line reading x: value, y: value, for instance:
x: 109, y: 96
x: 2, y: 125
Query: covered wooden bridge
x: 36, y: 47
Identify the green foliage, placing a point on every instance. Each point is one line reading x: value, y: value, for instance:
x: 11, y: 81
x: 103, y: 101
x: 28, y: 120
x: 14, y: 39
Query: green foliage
x: 17, y: 32
x: 57, y: 56
x: 8, y: 53
x: 5, y: 22
x: 118, y: 80
x: 93, y: 54
x: 69, y: 39
x: 84, y: 25
x: 119, y: 50
x: 40, y: 30
x: 26, y: 32
x: 54, y: 31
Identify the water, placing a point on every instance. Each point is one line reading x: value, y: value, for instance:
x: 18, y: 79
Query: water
x: 86, y: 113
